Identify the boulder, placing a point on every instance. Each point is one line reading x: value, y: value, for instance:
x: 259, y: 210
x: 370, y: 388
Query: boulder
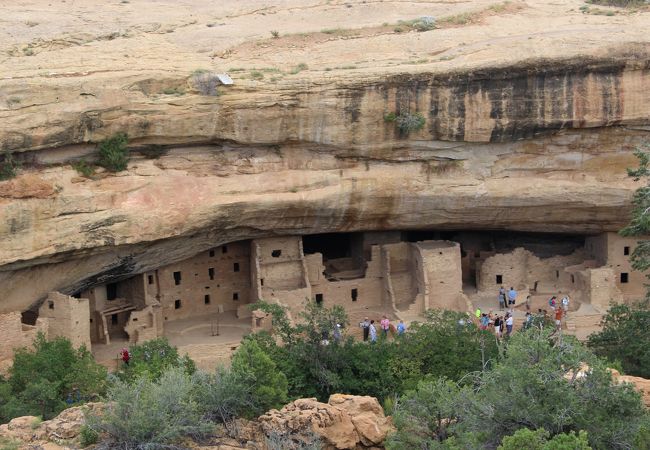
x: 345, y: 422
x: 641, y: 384
x: 367, y: 416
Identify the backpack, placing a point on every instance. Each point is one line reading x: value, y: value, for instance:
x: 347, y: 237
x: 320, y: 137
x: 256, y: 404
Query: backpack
x: 551, y: 301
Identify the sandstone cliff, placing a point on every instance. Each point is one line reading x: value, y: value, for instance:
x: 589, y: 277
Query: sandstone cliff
x: 532, y: 111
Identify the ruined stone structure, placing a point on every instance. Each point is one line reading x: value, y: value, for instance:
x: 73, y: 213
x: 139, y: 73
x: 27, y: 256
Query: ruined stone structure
x: 398, y: 277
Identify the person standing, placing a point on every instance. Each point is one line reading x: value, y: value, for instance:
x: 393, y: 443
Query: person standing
x: 497, y: 326
x: 401, y: 328
x: 512, y: 296
x: 365, y: 326
x: 509, y: 322
x: 385, y: 325
x: 373, y: 331
x: 124, y: 354
x: 565, y: 304
x: 485, y: 320
x: 502, y: 298
x: 528, y: 302
x: 552, y: 302
x: 558, y: 318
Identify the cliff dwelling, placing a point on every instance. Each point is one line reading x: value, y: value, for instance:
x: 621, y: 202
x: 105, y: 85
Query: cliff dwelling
x: 397, y: 273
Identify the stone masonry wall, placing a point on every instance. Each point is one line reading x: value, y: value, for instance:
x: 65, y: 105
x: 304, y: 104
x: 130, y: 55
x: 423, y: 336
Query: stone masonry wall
x: 16, y: 335
x: 67, y: 317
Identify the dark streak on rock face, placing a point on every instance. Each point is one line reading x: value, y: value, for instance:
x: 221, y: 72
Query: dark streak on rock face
x: 525, y: 101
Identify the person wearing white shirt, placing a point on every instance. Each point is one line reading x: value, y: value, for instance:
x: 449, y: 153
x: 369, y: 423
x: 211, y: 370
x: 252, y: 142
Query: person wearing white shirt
x: 509, y: 323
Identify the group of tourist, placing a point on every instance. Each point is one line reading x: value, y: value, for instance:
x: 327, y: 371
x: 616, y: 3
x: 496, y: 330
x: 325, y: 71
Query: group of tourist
x: 496, y: 323
x: 370, y: 329
x: 511, y: 297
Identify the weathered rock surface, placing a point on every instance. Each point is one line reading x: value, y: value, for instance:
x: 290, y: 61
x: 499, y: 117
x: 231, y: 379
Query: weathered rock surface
x: 532, y: 111
x: 345, y: 422
x: 52, y: 434
x: 641, y: 384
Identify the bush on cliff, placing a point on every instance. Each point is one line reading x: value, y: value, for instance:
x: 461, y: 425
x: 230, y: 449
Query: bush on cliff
x: 48, y: 378
x: 152, y: 358
x: 436, y: 347
x: 146, y: 414
x: 113, y: 153
x: 624, y: 337
x: 540, y: 383
x: 256, y: 369
x: 8, y: 166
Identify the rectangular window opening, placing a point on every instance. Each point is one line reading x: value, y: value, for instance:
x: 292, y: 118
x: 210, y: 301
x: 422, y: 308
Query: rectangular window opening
x: 224, y: 249
x: 111, y: 291
x: 206, y: 299
x: 113, y: 319
x: 235, y: 295
x: 50, y: 304
x: 211, y: 253
x: 319, y: 299
x: 235, y: 267
x: 150, y: 279
x: 626, y: 250
x: 211, y: 273
x: 499, y: 279
x: 276, y: 253
x: 354, y: 294
x: 262, y: 281
x: 177, y: 304
x: 557, y: 274
x: 624, y: 277
x: 177, y: 278
x: 573, y: 279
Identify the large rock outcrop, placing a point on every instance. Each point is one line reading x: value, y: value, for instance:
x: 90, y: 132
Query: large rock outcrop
x: 641, y: 384
x: 345, y: 422
x: 531, y: 111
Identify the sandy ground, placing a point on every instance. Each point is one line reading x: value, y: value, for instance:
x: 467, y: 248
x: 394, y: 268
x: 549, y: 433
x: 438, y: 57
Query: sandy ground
x: 209, y: 341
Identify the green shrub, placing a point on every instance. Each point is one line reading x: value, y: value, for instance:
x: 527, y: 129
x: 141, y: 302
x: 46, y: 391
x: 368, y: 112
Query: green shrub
x: 299, y: 68
x: 113, y: 153
x: 152, y: 359
x: 7, y: 443
x: 87, y: 436
x: 536, y: 378
x: 525, y: 439
x: 174, y: 91
x: 148, y: 414
x: 425, y: 23
x: 255, y: 368
x: 408, y: 122
x: 41, y: 380
x: 279, y: 441
x: 624, y: 337
x: 405, y: 121
x: 8, y: 166
x: 256, y: 75
x: 224, y: 396
x: 83, y: 168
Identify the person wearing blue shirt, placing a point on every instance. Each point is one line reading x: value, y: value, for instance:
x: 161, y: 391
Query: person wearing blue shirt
x: 512, y: 296
x: 401, y: 328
